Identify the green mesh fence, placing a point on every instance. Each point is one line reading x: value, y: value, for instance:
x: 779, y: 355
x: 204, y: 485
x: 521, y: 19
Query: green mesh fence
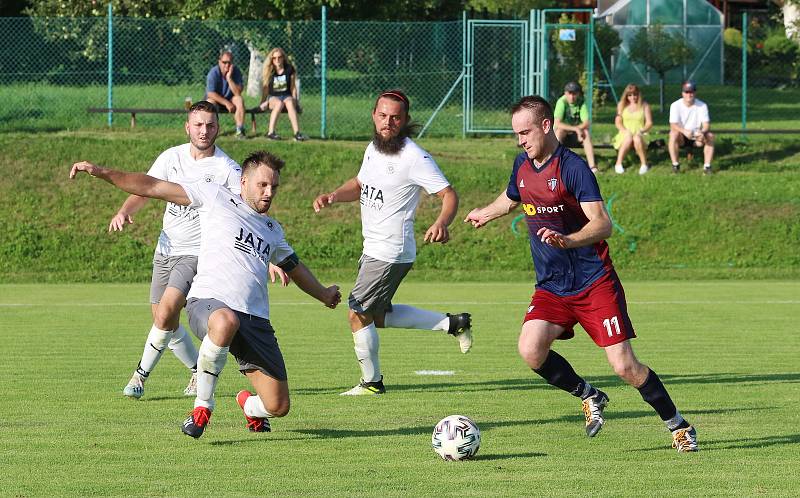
x: 53, y: 69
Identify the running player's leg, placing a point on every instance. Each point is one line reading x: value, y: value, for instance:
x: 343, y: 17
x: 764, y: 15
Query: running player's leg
x: 171, y: 282
x: 375, y: 285
x: 403, y: 316
x: 157, y: 339
x: 217, y: 324
x: 604, y: 316
x: 260, y: 359
x: 271, y: 399
x: 550, y: 317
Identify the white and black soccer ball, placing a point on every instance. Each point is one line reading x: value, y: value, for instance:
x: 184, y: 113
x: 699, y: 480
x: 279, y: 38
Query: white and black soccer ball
x: 456, y: 438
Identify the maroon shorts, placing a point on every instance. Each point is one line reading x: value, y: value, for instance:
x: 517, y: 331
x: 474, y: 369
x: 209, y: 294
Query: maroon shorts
x: 601, y: 310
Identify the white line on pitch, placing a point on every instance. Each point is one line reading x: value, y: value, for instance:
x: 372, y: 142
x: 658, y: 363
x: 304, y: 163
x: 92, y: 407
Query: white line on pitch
x: 426, y: 303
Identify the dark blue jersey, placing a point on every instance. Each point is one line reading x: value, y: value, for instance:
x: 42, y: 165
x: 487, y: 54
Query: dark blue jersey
x: 551, y: 197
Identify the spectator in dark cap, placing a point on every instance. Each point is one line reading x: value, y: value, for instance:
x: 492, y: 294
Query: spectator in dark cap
x: 689, y: 127
x: 572, y: 121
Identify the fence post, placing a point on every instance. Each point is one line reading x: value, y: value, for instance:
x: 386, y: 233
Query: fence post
x: 744, y: 72
x: 323, y: 61
x: 110, y: 98
x: 464, y: 83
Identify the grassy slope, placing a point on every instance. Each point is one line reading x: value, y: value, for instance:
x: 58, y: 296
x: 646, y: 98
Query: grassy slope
x: 744, y: 221
x: 66, y: 430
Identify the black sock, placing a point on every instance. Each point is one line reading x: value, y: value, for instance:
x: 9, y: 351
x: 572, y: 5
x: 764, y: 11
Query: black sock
x: 559, y: 373
x: 656, y: 395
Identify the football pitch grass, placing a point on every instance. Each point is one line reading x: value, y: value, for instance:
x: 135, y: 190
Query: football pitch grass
x: 727, y: 351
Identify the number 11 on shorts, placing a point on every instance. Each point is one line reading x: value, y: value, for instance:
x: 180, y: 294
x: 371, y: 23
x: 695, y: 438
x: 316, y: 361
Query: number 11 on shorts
x: 608, y: 322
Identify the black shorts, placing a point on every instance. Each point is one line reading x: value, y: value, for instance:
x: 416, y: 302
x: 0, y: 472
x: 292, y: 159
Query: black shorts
x: 571, y: 140
x: 254, y: 346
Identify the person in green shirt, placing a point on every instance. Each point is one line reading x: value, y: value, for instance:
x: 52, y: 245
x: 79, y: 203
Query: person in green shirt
x: 572, y: 121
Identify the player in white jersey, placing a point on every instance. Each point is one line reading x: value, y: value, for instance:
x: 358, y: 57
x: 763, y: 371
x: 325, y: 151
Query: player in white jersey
x: 393, y: 174
x: 175, y: 257
x: 228, y: 304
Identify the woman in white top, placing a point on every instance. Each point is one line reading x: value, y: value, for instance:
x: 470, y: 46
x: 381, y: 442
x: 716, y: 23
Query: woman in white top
x: 633, y: 121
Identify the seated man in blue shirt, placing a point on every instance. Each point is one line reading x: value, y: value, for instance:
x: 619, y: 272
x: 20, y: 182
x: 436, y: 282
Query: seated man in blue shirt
x: 224, y: 89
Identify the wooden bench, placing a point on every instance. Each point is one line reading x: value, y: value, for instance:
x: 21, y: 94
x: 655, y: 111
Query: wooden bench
x: 134, y: 111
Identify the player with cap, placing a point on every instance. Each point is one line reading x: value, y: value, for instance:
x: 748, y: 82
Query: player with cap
x: 690, y: 127
x: 572, y: 122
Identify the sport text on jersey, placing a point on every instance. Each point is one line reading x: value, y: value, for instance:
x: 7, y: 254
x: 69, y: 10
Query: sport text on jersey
x: 182, y: 211
x: 253, y: 245
x: 371, y: 197
x: 532, y: 210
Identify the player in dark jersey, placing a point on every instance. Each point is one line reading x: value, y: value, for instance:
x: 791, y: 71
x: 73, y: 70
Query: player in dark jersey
x: 576, y: 281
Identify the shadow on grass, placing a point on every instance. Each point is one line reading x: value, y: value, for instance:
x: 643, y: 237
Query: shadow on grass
x: 307, y: 434
x: 739, y: 444
x: 509, y: 456
x: 536, y: 383
x: 770, y: 156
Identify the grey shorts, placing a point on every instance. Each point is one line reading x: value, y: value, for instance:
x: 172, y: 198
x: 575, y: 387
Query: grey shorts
x: 254, y: 346
x: 376, y: 284
x: 171, y: 271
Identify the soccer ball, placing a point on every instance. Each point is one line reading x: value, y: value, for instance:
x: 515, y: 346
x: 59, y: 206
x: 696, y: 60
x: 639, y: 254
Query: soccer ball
x: 456, y: 438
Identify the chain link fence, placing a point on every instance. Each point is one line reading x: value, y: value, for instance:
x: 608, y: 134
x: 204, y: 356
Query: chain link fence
x: 53, y: 69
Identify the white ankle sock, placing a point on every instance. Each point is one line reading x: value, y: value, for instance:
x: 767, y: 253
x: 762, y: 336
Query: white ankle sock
x: 254, y: 407
x: 403, y: 316
x: 157, y: 341
x: 183, y: 347
x: 367, y: 345
x: 210, y: 362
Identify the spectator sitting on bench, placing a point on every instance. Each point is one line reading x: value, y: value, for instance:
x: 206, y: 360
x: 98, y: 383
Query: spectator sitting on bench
x: 572, y: 121
x: 279, y: 91
x: 633, y: 120
x: 224, y: 88
x: 689, y: 125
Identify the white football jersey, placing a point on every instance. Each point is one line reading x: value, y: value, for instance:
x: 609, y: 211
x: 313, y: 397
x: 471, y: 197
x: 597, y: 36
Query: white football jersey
x: 180, y: 234
x: 235, y: 250
x: 691, y: 118
x: 390, y: 191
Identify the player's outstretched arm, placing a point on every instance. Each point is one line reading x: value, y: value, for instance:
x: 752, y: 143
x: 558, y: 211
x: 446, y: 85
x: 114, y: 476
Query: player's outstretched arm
x: 438, y: 231
x: 308, y: 283
x: 124, y: 216
x: 500, y: 207
x: 134, y: 183
x: 349, y: 191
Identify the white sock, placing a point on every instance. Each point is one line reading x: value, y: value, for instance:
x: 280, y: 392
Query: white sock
x: 183, y: 347
x: 210, y: 362
x: 366, y: 346
x: 157, y: 341
x: 254, y: 407
x: 707, y: 165
x: 403, y: 316
x: 674, y: 421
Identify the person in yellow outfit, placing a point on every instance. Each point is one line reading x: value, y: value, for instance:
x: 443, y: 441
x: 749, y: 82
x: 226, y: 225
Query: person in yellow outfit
x: 633, y: 120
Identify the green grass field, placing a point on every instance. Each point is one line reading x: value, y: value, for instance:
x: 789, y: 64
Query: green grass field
x: 727, y: 352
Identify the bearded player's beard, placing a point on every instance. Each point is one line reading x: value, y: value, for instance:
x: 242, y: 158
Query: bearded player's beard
x: 393, y: 145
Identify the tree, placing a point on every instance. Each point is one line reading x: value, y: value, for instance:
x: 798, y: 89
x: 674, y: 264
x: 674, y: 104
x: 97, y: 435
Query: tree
x: 660, y: 51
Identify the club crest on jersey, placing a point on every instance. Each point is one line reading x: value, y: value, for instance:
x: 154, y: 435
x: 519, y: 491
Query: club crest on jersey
x: 208, y: 178
x: 270, y: 225
x: 390, y: 169
x: 522, y: 183
x: 551, y: 184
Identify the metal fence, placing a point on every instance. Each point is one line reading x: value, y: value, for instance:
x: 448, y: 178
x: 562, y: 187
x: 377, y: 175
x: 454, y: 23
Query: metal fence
x: 461, y: 75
